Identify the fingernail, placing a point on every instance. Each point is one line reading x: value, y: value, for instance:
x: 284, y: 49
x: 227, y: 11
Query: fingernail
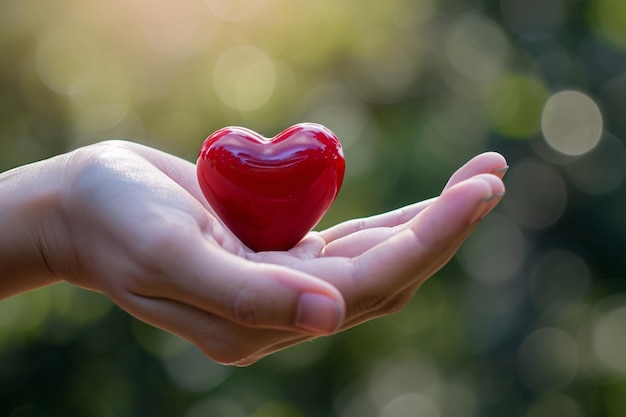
x: 485, y: 205
x: 318, y: 314
x: 500, y: 172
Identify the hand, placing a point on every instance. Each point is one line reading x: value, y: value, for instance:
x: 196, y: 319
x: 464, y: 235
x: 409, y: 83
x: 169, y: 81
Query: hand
x: 133, y: 224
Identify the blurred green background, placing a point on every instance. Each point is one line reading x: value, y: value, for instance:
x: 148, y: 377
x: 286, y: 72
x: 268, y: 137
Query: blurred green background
x: 528, y: 320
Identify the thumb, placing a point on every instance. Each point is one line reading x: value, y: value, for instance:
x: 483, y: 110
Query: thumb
x: 268, y: 295
x: 196, y: 271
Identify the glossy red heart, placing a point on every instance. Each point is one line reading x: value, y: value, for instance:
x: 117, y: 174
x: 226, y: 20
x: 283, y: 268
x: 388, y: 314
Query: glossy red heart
x: 270, y: 192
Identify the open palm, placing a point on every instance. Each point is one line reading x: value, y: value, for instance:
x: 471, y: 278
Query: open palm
x: 139, y: 230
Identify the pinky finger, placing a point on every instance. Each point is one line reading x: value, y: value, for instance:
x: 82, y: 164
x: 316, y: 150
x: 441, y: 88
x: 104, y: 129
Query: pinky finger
x: 485, y: 163
x: 389, y: 219
x: 222, y: 341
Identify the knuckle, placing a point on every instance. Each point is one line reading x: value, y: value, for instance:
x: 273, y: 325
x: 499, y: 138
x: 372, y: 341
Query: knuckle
x: 372, y: 303
x: 166, y: 242
x: 234, y: 353
x: 379, y: 305
x: 360, y: 225
x: 394, y: 305
x: 246, y: 307
x: 376, y: 301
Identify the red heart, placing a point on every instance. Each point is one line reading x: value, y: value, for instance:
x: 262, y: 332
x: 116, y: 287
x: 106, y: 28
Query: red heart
x: 271, y: 192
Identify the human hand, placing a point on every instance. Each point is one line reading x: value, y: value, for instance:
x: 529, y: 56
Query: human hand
x: 135, y: 226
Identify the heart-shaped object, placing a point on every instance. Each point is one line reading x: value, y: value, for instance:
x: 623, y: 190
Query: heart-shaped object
x: 270, y: 192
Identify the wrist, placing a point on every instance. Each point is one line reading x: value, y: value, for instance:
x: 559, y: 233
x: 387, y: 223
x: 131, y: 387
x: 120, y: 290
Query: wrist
x: 32, y: 237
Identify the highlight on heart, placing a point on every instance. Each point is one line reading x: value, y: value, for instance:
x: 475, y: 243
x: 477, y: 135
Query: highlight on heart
x: 270, y: 192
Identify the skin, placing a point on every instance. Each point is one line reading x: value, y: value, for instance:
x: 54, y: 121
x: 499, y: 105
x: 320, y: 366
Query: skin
x: 130, y: 221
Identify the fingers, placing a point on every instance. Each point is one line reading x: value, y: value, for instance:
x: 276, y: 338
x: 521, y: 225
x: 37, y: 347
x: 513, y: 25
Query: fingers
x: 404, y: 261
x: 195, y: 288
x: 220, y: 339
x: 389, y: 219
x: 486, y: 163
x: 428, y: 241
x: 376, y: 282
x: 179, y: 170
x: 245, y: 292
x: 358, y: 242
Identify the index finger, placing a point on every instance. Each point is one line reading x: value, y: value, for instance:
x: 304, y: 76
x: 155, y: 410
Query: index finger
x: 429, y: 240
x: 406, y: 256
x: 485, y: 163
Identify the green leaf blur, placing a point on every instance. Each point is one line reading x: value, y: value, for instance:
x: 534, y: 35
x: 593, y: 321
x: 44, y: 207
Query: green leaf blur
x: 528, y: 320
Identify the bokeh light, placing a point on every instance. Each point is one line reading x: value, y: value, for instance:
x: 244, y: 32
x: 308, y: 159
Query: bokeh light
x: 609, y: 339
x: 528, y: 318
x: 191, y: 370
x: 601, y: 170
x: 548, y: 360
x: 277, y: 408
x: 410, y: 405
x: 495, y: 253
x: 534, y: 20
x: 513, y: 102
x: 216, y: 406
x: 555, y: 405
x: 571, y: 123
x: 609, y: 18
x: 244, y: 78
x: 236, y: 11
x: 537, y: 195
x: 401, y: 376
x: 477, y: 48
x: 559, y: 277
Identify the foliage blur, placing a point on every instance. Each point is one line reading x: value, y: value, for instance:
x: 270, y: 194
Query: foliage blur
x: 528, y: 320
